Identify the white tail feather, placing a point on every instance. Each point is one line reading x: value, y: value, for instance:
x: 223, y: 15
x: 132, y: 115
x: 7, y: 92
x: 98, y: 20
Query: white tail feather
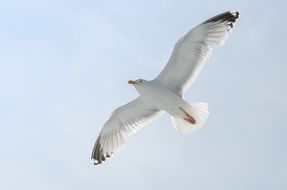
x: 199, y: 111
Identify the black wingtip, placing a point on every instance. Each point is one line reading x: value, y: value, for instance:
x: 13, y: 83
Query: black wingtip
x: 229, y: 16
x: 98, y: 155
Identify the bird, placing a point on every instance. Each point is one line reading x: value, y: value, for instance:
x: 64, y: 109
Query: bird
x: 165, y: 93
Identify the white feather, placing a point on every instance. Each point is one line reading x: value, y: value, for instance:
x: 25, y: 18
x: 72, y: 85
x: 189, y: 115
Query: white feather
x: 191, y: 53
x: 124, y: 121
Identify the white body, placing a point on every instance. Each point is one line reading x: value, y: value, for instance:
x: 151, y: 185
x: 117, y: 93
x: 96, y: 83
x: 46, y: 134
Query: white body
x: 152, y: 92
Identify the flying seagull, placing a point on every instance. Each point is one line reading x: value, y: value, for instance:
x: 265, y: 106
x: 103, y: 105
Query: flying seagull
x: 165, y: 92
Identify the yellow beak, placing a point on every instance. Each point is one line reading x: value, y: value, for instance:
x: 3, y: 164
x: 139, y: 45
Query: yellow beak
x: 132, y: 82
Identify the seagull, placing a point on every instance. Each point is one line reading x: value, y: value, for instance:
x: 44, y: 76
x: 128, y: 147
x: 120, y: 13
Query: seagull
x: 165, y: 92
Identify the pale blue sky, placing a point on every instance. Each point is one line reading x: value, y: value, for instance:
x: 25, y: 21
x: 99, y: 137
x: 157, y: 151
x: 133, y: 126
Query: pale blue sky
x: 64, y: 67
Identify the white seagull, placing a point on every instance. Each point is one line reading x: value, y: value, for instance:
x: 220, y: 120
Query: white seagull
x: 165, y: 92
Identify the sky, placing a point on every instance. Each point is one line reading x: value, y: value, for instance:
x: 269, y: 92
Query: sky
x: 64, y: 66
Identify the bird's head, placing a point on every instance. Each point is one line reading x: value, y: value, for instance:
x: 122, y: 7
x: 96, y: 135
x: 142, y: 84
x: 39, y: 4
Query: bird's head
x: 140, y: 85
x: 137, y: 82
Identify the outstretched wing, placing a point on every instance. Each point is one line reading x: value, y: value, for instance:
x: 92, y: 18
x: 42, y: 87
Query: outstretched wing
x: 193, y: 49
x: 123, y: 122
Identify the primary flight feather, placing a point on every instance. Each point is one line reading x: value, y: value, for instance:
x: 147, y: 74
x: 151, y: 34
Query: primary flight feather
x: 165, y: 92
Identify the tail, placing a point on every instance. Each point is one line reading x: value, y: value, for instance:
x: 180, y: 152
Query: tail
x: 196, y: 116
